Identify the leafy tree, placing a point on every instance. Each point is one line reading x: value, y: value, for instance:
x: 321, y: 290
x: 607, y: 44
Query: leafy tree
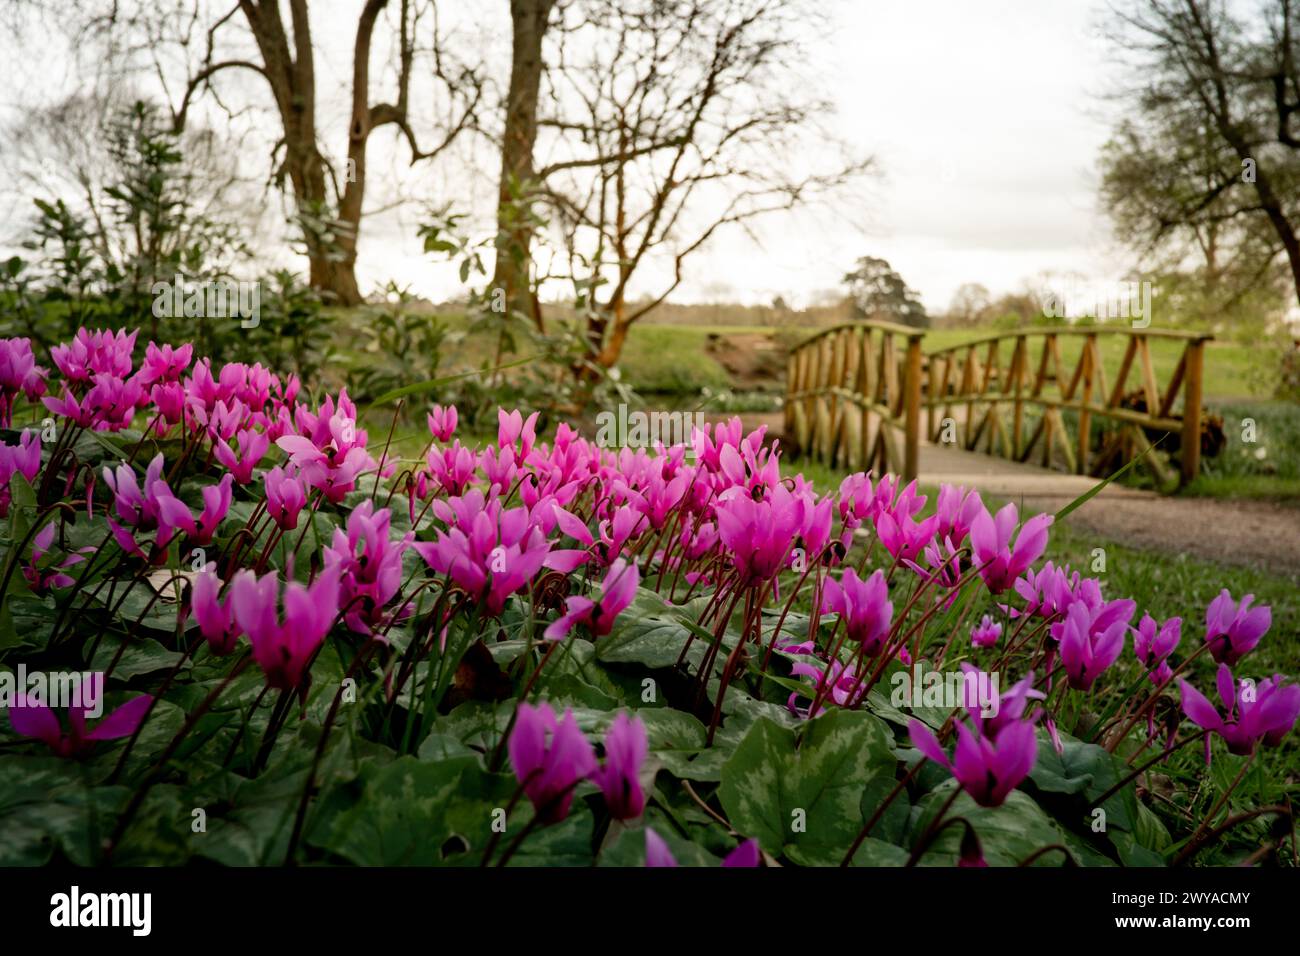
x: 1206, y: 166
x: 878, y: 292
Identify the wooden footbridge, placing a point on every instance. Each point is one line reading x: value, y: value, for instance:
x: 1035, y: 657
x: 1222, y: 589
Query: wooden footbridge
x: 869, y: 395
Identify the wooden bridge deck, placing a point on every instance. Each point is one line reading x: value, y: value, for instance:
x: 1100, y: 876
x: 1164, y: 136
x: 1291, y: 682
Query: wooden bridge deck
x: 1007, y: 479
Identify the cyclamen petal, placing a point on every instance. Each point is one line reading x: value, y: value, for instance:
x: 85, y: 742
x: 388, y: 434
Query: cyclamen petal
x: 37, y: 721
x: 745, y: 855
x: 550, y: 758
x: 656, y: 850
x: 626, y: 746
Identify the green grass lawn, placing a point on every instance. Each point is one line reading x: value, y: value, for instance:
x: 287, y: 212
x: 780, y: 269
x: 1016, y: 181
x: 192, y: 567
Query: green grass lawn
x: 657, y: 359
x: 1262, y: 455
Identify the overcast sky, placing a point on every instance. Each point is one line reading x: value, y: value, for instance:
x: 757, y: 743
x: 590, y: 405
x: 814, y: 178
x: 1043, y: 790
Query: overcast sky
x: 985, y: 118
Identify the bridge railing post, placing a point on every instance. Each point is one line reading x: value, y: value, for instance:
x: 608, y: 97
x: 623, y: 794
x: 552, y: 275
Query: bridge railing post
x: 1191, y: 439
x: 912, y: 408
x: 792, y: 387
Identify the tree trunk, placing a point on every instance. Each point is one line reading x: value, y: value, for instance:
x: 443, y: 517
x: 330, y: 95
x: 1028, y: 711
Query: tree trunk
x: 292, y: 77
x: 514, y: 233
x: 1268, y: 201
x: 616, y: 337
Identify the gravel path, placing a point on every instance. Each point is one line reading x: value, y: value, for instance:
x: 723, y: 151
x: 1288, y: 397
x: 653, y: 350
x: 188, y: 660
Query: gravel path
x: 1254, y: 533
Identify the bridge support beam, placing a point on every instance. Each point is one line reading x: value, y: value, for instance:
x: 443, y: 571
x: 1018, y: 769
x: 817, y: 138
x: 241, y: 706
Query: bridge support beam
x: 1191, y: 439
x: 912, y: 409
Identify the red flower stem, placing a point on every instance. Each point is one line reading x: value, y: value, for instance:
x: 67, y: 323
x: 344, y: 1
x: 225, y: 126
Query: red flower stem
x: 138, y: 797
x: 1130, y: 777
x: 933, y: 829
x: 880, y: 812
x: 495, y: 763
x: 1151, y: 700
x: 1223, y: 798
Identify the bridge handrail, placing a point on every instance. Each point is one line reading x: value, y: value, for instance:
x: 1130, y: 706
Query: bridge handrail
x: 1084, y: 330
x: 828, y: 373
x: 894, y: 327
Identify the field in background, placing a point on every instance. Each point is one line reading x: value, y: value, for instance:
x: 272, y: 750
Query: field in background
x: 663, y: 358
x: 670, y: 357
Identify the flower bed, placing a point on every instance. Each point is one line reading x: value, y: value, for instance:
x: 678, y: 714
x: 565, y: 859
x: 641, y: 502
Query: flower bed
x: 234, y: 627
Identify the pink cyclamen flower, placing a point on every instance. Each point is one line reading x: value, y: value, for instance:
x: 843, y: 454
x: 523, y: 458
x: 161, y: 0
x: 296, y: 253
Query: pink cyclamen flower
x: 329, y: 449
x: 224, y: 420
x: 815, y: 535
x: 1013, y: 706
x: 843, y: 686
x: 23, y: 459
x: 18, y: 373
x: 619, y: 779
x: 759, y: 535
x: 452, y: 467
x: 41, y: 580
x: 944, y: 568
x: 164, y: 363
x: 216, y: 619
x: 657, y: 853
x: 1091, y: 639
x: 550, y: 758
x: 616, y: 592
x: 864, y: 606
x: 140, y: 510
x: 957, y: 509
x: 857, y: 500
x: 512, y: 427
x: 33, y: 719
x: 283, y: 648
x: 109, y: 405
x: 216, y: 504
x: 615, y: 533
x: 1050, y: 590
x: 1250, y: 715
x: 1154, y: 643
x: 1232, y: 630
x: 988, y: 766
x: 442, y: 422
x: 168, y: 400
x: 499, y: 467
x: 999, y: 563
x: 286, y: 495
x: 744, y: 856
x: 903, y: 536
x: 252, y: 446
x: 489, y: 552
x: 661, y: 496
x: 95, y: 353
x: 986, y: 633
x: 369, y: 564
